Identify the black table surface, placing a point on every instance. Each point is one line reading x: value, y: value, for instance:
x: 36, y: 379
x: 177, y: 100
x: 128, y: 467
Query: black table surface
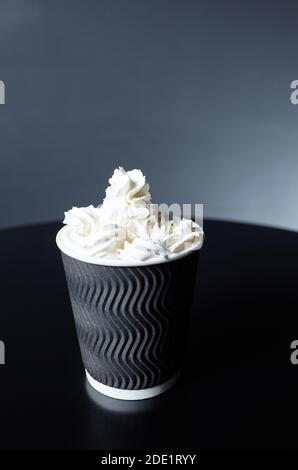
x: 238, y: 389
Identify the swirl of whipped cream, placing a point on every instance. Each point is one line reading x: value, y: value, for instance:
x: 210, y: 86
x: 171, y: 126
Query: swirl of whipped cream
x: 127, y: 198
x: 162, y: 237
x: 85, y: 221
x: 127, y: 226
x: 142, y: 249
x: 176, y: 234
x: 87, y: 235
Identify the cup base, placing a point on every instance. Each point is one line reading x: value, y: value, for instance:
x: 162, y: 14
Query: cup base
x: 142, y: 394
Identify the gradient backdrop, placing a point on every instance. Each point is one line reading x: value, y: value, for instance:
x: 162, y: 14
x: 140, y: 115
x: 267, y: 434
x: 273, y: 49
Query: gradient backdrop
x: 195, y: 93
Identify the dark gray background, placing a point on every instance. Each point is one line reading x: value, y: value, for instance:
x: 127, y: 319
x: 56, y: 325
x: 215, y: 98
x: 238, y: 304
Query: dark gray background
x: 195, y: 93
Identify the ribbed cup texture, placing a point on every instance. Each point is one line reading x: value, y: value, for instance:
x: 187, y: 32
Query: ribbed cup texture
x: 131, y: 321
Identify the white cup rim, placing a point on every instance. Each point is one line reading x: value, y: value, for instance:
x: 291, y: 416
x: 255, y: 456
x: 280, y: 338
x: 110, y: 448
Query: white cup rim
x: 123, y: 263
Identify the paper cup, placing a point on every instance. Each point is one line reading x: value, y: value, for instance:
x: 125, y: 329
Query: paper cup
x: 131, y: 321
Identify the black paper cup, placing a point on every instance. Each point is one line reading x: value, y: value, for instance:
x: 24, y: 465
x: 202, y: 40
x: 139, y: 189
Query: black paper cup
x: 131, y: 321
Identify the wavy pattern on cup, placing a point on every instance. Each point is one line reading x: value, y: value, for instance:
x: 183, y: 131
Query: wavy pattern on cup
x: 131, y: 322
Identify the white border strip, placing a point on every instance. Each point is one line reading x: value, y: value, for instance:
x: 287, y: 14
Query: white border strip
x: 121, y: 394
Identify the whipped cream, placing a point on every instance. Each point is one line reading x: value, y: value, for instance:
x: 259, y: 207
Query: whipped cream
x: 127, y: 226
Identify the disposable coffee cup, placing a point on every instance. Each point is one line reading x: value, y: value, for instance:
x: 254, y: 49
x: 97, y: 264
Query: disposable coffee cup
x: 131, y: 320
